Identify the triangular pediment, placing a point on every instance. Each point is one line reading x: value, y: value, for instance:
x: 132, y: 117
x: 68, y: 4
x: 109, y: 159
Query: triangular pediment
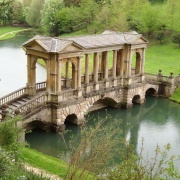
x: 140, y: 41
x: 35, y: 46
x: 71, y: 48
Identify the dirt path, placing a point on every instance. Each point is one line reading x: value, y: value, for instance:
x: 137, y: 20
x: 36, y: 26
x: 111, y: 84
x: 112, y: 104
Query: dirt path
x: 12, y: 32
x: 41, y: 172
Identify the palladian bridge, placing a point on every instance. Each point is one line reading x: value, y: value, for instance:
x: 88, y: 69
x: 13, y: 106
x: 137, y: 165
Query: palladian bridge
x: 83, y: 74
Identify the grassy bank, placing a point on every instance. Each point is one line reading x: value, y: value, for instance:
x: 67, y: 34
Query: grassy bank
x: 176, y: 95
x: 48, y: 163
x: 165, y: 57
x: 9, y: 31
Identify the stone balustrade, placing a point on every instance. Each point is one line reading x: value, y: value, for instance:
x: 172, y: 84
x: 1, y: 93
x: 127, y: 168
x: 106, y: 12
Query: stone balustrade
x: 12, y: 96
x: 37, y: 101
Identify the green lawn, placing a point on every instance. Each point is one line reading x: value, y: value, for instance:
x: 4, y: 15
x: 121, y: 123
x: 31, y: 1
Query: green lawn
x: 165, y: 57
x: 176, y: 95
x: 48, y: 163
x: 11, y: 31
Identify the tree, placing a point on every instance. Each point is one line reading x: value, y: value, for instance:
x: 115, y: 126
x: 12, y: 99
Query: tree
x: 26, y: 3
x: 18, y: 11
x: 69, y: 3
x: 68, y: 20
x: 111, y: 17
x: 33, y: 15
x: 5, y: 11
x: 176, y: 38
x: 160, y: 35
x: 94, y: 153
x: 172, y: 14
x: 48, y: 15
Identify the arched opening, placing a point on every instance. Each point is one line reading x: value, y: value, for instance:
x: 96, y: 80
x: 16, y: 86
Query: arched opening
x: 136, y: 99
x: 150, y: 92
x: 37, y: 124
x: 136, y: 63
x: 37, y: 75
x: 68, y: 75
x: 41, y: 75
x: 101, y: 103
x: 71, y: 119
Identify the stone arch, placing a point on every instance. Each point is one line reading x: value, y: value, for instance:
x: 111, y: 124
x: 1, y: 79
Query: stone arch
x: 71, y: 118
x: 69, y: 60
x: 37, y: 123
x: 150, y: 91
x: 70, y: 77
x: 136, y: 62
x: 136, y: 99
x: 101, y: 101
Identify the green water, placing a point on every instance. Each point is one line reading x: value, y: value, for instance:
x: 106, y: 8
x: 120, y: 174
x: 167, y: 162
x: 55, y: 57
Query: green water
x: 157, y: 121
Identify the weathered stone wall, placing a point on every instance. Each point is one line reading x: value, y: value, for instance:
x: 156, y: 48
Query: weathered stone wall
x: 55, y: 115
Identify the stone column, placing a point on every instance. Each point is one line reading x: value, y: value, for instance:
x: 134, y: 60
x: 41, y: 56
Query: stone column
x: 59, y: 75
x: 106, y: 65
x: 115, y: 67
x: 67, y: 74
x: 95, y: 70
x: 48, y: 76
x: 31, y: 76
x: 87, y: 68
x: 114, y: 63
x: 74, y: 76
x: 129, y: 62
x: 79, y: 71
x: 142, y: 61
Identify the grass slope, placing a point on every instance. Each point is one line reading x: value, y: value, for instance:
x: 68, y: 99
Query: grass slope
x: 9, y: 32
x: 165, y: 57
x: 176, y: 95
x: 48, y: 163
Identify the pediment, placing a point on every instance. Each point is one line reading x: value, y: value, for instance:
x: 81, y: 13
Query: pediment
x: 140, y: 41
x: 71, y: 48
x: 35, y: 46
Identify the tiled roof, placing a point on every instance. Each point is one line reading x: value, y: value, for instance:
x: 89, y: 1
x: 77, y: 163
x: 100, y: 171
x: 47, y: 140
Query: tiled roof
x: 107, y: 38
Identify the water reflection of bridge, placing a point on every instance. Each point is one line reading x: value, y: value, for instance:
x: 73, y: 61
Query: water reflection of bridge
x: 115, y: 79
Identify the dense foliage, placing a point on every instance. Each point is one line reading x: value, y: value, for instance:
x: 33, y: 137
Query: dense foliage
x: 55, y: 17
x: 11, y: 166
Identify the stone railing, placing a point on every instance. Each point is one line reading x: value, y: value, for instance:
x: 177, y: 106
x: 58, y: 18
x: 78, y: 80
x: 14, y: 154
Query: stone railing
x: 20, y: 92
x: 177, y: 80
x: 68, y: 94
x: 136, y: 79
x: 35, y: 102
x: 174, y: 80
x: 12, y: 96
x: 41, y: 86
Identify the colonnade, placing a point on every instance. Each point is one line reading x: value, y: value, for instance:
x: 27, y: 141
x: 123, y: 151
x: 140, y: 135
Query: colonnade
x: 121, y: 67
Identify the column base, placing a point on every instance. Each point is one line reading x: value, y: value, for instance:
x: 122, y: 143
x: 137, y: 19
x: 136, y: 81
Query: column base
x: 58, y: 128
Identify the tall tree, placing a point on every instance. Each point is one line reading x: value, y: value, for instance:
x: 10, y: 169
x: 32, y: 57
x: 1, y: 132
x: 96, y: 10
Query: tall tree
x: 49, y: 11
x: 26, y: 3
x: 111, y: 17
x: 172, y: 14
x: 18, y: 12
x: 5, y: 11
x: 33, y: 15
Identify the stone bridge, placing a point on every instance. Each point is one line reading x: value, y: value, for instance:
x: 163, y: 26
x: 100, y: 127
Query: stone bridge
x: 74, y: 87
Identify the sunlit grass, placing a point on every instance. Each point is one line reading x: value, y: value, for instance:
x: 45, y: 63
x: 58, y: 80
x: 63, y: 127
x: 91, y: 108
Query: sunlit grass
x: 176, y: 95
x: 10, y: 32
x: 165, y: 57
x: 50, y: 164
